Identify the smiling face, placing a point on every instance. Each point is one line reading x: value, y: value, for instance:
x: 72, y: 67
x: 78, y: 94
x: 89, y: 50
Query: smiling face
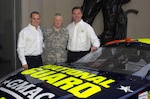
x: 76, y: 15
x: 35, y: 20
x: 57, y: 21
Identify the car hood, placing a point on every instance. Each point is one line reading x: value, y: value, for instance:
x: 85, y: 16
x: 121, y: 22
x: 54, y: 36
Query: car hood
x: 118, y: 73
x: 60, y: 82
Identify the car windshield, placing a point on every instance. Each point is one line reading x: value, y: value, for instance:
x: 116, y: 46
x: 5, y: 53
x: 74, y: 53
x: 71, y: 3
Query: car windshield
x: 133, y: 59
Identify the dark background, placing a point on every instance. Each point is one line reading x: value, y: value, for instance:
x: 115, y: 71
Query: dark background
x: 10, y: 23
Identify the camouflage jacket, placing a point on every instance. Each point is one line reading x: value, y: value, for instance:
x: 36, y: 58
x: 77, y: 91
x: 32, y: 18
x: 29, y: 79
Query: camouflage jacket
x: 55, y: 50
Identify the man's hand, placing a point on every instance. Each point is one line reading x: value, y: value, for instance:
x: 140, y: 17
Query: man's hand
x: 93, y: 49
x: 25, y: 67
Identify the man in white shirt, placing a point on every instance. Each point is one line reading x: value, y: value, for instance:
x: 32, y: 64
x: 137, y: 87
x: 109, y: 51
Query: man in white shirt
x: 30, y: 43
x: 82, y: 38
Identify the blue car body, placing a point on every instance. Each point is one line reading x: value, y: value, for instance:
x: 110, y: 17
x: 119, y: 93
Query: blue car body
x: 118, y: 70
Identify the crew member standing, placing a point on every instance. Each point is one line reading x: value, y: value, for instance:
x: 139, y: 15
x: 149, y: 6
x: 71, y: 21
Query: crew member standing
x: 30, y: 43
x: 82, y: 38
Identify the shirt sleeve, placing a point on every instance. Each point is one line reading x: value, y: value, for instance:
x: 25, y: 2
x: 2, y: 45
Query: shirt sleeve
x: 21, y: 48
x: 93, y: 37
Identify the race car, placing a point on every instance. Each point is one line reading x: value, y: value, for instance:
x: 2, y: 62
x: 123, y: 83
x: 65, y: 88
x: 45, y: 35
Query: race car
x: 118, y: 70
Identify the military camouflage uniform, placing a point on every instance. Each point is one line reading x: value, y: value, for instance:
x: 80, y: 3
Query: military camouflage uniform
x: 55, y: 51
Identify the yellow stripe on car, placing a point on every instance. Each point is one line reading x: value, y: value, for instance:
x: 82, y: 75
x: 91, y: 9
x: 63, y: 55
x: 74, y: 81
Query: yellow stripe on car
x: 144, y: 40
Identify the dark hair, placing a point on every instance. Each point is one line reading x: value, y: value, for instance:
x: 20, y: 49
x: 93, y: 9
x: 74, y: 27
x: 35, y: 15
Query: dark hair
x: 34, y: 12
x: 74, y: 8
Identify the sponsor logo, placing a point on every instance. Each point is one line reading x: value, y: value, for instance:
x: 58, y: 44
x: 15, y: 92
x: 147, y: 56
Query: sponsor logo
x: 79, y: 83
x: 143, y: 95
x: 2, y: 98
x: 12, y: 87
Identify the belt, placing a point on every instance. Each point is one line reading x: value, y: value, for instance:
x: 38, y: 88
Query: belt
x: 77, y: 51
x: 38, y: 56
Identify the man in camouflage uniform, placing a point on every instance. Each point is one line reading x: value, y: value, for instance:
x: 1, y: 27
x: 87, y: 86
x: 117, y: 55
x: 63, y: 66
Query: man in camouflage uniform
x: 55, y: 39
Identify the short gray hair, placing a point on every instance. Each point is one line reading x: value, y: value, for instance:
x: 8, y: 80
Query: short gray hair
x: 57, y: 14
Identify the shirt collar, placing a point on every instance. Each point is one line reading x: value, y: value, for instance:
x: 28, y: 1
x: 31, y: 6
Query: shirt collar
x: 79, y: 22
x: 59, y: 30
x: 33, y: 26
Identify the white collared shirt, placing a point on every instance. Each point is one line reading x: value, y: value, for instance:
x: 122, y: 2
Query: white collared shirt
x: 30, y: 43
x: 81, y: 37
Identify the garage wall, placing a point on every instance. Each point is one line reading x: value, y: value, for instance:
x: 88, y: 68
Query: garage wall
x: 47, y: 9
x: 138, y: 25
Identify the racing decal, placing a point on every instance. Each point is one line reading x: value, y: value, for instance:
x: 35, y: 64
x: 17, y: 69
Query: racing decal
x: 24, y: 88
x: 2, y: 98
x: 80, y: 83
x: 149, y: 94
x: 125, y: 88
x: 144, y: 40
x: 143, y: 95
